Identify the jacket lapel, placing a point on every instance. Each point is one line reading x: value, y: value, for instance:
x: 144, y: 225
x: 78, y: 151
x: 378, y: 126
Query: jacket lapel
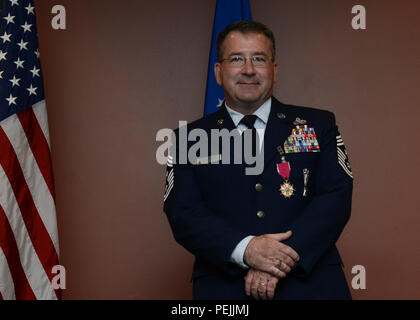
x: 232, y: 172
x: 222, y: 119
x: 278, y: 129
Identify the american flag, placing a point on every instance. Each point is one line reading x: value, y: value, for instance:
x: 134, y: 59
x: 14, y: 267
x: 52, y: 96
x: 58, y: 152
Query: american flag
x: 28, y: 227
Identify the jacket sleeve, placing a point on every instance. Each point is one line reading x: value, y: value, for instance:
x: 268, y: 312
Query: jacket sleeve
x: 197, y: 228
x: 322, y: 221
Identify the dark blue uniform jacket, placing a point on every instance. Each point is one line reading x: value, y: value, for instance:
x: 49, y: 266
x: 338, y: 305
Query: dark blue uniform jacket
x: 212, y: 207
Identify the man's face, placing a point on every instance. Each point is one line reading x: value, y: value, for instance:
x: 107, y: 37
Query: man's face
x: 246, y: 87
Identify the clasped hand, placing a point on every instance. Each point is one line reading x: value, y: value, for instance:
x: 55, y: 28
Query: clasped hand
x: 269, y: 260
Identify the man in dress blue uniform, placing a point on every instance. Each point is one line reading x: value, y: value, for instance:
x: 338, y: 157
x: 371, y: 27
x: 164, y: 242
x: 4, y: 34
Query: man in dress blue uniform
x: 272, y: 234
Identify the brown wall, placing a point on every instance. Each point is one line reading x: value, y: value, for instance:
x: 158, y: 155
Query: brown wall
x: 125, y: 69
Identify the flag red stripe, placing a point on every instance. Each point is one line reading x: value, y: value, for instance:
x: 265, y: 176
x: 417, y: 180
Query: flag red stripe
x: 40, y: 238
x: 23, y: 290
x: 39, y: 146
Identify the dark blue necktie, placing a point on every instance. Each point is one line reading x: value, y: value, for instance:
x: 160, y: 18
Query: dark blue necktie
x: 249, y: 121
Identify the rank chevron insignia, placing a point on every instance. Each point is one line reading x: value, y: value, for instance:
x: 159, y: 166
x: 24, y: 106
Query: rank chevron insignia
x: 343, y: 158
x: 170, y: 180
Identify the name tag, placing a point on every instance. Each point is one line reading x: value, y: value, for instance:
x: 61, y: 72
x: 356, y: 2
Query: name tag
x: 209, y: 159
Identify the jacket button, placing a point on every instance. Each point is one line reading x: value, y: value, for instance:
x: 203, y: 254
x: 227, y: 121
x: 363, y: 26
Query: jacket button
x: 260, y: 214
x: 259, y: 187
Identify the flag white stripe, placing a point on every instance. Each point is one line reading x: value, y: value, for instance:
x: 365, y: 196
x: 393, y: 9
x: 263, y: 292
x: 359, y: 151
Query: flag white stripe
x: 7, y: 287
x: 40, y: 193
x: 40, y: 111
x: 35, y: 273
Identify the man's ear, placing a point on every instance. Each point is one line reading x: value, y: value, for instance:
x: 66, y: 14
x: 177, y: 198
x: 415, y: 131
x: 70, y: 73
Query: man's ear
x: 275, y: 72
x: 217, y: 73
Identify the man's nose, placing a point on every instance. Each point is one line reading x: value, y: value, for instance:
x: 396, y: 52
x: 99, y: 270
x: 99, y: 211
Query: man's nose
x: 248, y: 67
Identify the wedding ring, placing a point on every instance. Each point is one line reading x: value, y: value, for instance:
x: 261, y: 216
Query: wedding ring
x: 278, y: 265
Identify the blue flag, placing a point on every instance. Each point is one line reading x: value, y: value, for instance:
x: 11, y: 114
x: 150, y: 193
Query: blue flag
x: 227, y: 12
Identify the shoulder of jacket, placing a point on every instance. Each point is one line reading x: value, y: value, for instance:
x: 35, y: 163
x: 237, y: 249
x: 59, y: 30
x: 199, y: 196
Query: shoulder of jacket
x: 204, y: 123
x: 310, y: 114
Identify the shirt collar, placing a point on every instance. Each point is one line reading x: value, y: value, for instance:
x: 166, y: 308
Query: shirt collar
x: 262, y: 112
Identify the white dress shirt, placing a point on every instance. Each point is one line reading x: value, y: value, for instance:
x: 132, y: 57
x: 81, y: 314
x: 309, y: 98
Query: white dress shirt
x: 260, y: 124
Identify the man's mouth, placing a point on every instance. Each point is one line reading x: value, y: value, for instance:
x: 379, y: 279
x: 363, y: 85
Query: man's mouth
x: 248, y: 83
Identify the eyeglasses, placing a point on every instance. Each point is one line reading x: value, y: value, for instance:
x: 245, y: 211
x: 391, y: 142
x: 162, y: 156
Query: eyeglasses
x: 239, y: 61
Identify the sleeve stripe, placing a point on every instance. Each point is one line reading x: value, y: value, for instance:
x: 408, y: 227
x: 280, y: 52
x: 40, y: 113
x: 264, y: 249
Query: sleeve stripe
x: 341, y: 155
x: 170, y: 180
x: 346, y: 170
x: 168, y: 191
